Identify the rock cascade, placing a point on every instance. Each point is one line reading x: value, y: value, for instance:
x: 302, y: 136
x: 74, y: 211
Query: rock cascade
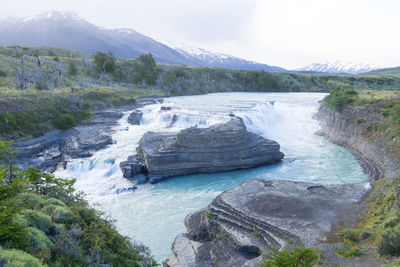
x: 55, y: 148
x: 221, y: 147
x: 242, y: 223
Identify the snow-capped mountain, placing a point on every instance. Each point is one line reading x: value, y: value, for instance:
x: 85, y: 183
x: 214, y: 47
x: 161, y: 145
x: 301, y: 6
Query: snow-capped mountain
x: 339, y: 67
x: 66, y: 29
x: 199, y: 56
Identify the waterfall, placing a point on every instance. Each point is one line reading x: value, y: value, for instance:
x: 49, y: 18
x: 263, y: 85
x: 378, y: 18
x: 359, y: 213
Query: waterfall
x: 153, y: 214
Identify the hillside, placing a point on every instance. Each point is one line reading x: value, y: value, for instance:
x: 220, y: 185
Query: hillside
x: 42, y: 88
x: 395, y: 72
x: 68, y: 30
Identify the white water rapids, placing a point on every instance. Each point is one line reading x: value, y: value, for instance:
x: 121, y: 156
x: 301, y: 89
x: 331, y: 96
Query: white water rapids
x: 154, y: 214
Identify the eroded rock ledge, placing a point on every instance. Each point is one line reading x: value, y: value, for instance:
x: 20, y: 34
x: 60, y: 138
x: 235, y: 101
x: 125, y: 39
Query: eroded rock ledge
x: 221, y: 147
x: 244, y: 222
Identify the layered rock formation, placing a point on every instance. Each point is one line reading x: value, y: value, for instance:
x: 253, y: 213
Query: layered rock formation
x: 378, y: 152
x: 244, y: 222
x: 221, y: 147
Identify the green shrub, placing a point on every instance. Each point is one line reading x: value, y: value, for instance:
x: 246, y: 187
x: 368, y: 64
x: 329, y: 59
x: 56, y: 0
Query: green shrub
x: 20, y: 220
x: 54, y: 201
x: 350, y: 235
x: 338, y: 100
x: 31, y: 200
x: 39, y: 244
x: 392, y: 221
x: 351, y: 92
x: 105, y: 62
x: 384, y: 112
x: 360, y: 121
x: 3, y: 73
x: 115, y: 101
x: 65, y: 121
x: 15, y: 257
x: 348, y: 252
x: 395, y: 114
x: 390, y: 242
x: 58, y: 213
x: 297, y: 257
x: 72, y: 69
x: 37, y: 219
x: 58, y: 229
x: 56, y: 58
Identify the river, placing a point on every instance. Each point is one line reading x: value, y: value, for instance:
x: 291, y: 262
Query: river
x: 154, y: 214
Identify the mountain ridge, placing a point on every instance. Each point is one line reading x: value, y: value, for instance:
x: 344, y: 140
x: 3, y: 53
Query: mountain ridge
x: 339, y: 67
x: 66, y: 29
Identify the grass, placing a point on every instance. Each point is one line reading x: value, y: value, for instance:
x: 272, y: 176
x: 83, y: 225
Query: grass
x: 209, y: 215
x: 348, y: 252
x: 379, y: 222
x: 376, y: 95
x: 394, y: 72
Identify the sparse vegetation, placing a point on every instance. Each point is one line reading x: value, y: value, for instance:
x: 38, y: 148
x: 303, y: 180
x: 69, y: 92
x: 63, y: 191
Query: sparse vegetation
x: 209, y: 215
x: 348, y: 252
x: 297, y: 257
x: 379, y: 224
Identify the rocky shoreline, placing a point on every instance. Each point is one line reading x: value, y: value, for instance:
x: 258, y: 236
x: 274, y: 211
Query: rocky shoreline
x: 54, y: 149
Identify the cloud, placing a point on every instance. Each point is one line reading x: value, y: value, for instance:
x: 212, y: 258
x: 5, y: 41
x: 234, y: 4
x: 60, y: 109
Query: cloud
x: 197, y: 21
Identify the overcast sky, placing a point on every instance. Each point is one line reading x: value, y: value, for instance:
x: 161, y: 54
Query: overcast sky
x: 286, y: 33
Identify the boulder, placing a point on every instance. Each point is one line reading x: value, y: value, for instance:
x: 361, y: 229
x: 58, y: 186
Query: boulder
x: 221, y: 147
x: 133, y: 168
x: 245, y: 222
x: 134, y: 117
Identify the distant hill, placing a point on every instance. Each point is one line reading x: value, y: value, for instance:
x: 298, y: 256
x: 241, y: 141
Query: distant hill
x: 385, y: 72
x: 68, y: 30
x: 338, y: 67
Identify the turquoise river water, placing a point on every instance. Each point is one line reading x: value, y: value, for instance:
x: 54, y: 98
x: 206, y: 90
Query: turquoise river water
x: 154, y: 214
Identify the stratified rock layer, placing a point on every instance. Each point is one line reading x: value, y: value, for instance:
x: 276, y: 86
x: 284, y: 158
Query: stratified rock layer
x: 378, y: 152
x: 244, y: 222
x: 221, y: 147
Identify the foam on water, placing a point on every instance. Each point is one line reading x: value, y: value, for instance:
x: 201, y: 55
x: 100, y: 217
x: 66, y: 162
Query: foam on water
x: 154, y: 214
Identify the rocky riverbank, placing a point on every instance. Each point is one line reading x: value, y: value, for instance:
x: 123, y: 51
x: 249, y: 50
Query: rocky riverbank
x: 378, y: 152
x: 244, y: 222
x: 54, y: 149
x: 221, y: 147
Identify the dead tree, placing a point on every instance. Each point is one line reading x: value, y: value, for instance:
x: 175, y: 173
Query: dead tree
x: 58, y: 75
x: 20, y: 83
